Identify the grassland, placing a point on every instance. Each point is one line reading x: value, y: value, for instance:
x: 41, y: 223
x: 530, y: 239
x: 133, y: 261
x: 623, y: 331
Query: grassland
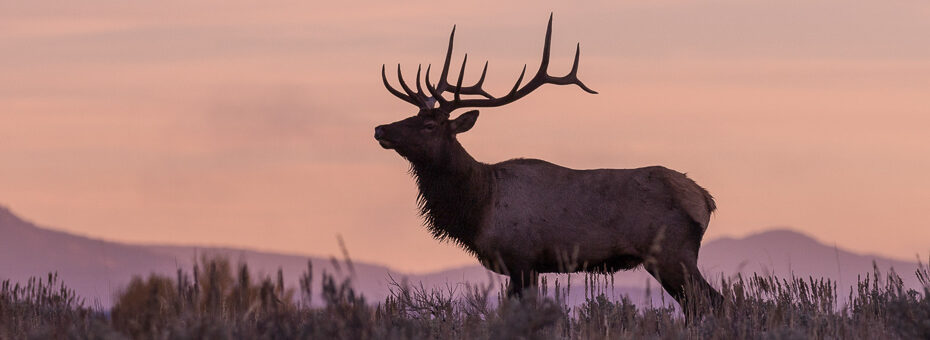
x: 217, y: 300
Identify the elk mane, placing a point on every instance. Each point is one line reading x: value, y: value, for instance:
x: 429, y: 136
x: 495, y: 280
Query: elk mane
x: 453, y: 204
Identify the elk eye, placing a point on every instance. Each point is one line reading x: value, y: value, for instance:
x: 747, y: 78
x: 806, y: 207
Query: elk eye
x: 429, y: 126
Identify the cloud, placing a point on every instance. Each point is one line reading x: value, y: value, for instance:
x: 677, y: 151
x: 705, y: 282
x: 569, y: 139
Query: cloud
x: 282, y: 114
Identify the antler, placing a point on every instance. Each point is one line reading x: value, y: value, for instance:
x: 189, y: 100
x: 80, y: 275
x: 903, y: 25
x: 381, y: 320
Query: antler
x: 426, y: 102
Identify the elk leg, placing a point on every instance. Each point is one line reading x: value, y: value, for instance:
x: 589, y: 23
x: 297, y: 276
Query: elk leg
x: 520, y: 282
x: 684, y: 282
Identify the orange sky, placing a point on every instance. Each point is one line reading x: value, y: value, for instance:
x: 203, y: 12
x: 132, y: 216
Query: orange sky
x: 248, y: 123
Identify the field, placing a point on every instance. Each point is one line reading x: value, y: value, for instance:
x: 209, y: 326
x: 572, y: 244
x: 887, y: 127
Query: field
x: 218, y: 300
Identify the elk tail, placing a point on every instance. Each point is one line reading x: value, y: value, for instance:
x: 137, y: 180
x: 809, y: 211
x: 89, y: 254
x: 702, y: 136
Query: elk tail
x: 694, y: 199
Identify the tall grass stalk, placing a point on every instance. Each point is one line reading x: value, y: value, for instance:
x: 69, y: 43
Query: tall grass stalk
x: 219, y: 300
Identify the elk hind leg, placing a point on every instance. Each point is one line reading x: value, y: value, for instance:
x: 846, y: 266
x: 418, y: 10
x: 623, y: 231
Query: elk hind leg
x: 684, y: 282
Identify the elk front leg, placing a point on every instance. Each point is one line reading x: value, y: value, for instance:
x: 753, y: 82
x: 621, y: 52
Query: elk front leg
x: 521, y: 281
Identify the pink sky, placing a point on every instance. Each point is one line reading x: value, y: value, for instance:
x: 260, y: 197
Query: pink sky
x: 249, y: 123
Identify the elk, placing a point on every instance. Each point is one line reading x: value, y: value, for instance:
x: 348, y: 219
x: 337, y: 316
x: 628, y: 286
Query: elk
x: 523, y: 217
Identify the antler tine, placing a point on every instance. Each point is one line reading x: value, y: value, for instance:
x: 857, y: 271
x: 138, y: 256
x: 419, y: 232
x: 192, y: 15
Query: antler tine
x: 516, y: 85
x: 574, y: 71
x: 476, y: 88
x: 443, y: 84
x: 544, y: 64
x: 480, y: 82
x: 568, y: 79
x: 419, y: 88
x: 419, y: 100
x: 437, y: 95
x: 484, y: 72
x: 542, y: 75
x: 458, y: 85
x: 396, y: 93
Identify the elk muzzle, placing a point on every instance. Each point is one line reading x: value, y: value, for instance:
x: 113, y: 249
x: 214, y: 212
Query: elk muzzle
x: 381, y: 138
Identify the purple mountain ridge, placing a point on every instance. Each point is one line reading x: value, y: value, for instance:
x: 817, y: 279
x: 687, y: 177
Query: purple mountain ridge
x: 98, y: 269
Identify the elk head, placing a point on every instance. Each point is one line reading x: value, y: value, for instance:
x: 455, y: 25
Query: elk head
x: 427, y: 136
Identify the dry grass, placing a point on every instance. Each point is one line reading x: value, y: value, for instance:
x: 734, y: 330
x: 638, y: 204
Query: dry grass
x: 219, y: 301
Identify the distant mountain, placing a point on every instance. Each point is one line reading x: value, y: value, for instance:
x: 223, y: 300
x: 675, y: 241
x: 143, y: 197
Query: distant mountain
x: 97, y: 269
x: 94, y: 268
x: 785, y: 252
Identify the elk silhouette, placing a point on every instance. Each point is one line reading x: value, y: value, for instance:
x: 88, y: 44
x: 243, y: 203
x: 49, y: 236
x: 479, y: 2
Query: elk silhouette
x: 523, y: 217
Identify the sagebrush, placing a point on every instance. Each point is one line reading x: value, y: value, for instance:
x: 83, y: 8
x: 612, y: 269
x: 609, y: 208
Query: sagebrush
x: 220, y: 301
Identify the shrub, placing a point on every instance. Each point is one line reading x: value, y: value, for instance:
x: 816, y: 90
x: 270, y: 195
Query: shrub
x: 219, y: 302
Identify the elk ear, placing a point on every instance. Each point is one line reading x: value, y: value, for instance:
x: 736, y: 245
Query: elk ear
x: 464, y: 121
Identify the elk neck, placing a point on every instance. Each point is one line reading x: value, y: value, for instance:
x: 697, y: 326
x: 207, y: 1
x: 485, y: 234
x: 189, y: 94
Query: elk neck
x: 454, y: 195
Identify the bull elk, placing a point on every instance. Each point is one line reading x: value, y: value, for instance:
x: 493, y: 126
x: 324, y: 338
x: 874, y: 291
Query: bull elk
x: 523, y: 217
